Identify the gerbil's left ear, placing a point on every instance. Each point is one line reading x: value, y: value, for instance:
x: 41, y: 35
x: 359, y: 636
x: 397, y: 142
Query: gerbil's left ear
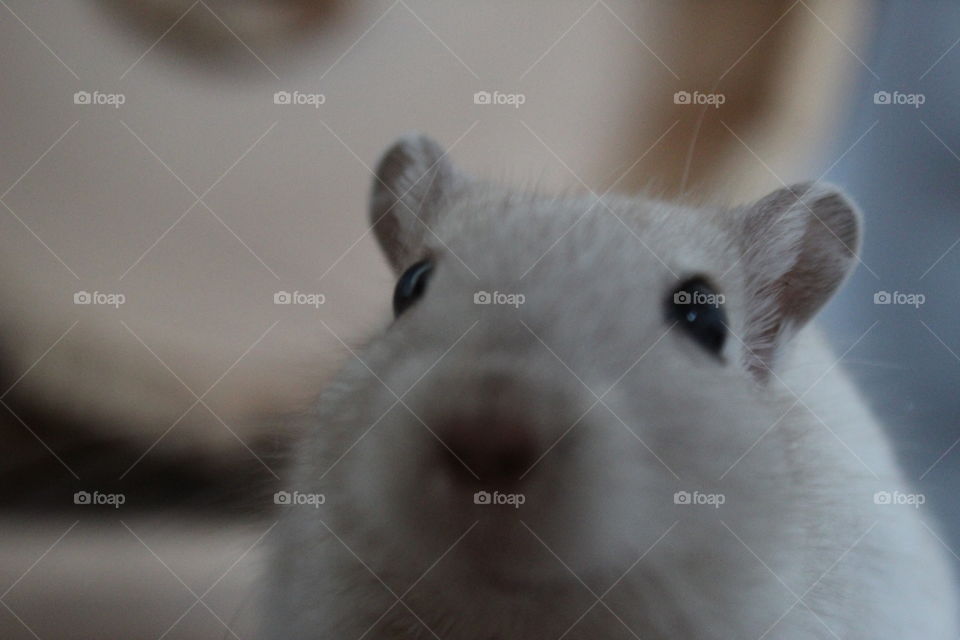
x: 414, y: 180
x: 799, y: 244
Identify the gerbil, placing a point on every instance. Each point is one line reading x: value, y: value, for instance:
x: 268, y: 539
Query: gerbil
x: 668, y: 448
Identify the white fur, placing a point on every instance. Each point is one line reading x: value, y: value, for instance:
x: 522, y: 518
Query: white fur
x: 798, y: 520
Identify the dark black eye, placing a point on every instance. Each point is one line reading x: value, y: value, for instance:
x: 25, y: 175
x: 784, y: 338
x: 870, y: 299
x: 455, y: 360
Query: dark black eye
x: 698, y: 310
x: 411, y: 286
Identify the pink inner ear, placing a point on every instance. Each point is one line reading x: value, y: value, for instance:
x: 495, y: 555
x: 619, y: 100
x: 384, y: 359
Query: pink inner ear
x: 411, y: 180
x: 799, y: 246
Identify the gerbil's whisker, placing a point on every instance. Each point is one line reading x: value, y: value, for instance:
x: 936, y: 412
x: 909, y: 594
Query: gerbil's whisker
x: 693, y: 141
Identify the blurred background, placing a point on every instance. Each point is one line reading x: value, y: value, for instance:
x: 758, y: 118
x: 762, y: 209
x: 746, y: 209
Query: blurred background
x: 170, y: 169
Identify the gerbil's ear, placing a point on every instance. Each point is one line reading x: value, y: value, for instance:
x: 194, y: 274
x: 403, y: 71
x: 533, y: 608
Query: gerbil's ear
x: 413, y: 180
x: 799, y: 244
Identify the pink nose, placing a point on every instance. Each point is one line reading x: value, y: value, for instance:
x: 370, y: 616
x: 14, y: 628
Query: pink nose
x: 495, y: 450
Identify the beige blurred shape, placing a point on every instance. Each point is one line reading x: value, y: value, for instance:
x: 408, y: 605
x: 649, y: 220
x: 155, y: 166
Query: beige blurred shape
x: 104, y: 210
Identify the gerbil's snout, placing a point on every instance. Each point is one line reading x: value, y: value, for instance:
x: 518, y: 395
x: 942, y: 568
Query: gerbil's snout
x: 496, y: 448
x: 489, y: 425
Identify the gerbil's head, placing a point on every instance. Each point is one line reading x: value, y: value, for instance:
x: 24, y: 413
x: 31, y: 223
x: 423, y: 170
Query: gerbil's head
x: 568, y: 379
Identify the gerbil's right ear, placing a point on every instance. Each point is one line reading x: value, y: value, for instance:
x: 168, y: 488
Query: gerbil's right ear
x: 413, y: 180
x: 798, y: 246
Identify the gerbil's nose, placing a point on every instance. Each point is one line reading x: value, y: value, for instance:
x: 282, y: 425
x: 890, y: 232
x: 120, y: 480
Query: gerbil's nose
x: 496, y: 450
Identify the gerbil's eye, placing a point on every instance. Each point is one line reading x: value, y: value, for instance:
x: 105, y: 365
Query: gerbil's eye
x: 698, y: 309
x: 411, y: 286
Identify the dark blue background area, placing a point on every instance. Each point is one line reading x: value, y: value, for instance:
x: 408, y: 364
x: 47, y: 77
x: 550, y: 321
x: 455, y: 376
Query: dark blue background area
x: 907, y: 183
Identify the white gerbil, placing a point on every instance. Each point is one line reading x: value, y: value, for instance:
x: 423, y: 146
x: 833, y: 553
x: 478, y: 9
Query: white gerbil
x: 601, y: 418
